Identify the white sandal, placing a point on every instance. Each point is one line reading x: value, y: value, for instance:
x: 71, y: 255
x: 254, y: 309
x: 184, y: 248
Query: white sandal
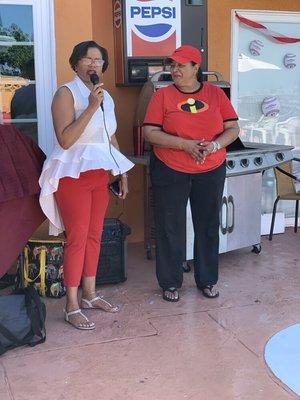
x: 79, y: 325
x: 104, y: 305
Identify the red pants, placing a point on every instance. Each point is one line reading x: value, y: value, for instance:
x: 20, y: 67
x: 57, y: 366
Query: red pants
x: 82, y: 204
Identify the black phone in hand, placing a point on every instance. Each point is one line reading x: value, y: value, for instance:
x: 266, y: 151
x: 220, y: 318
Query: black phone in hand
x: 115, y: 188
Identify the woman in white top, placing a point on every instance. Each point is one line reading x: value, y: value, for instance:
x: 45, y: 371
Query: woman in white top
x: 74, y: 181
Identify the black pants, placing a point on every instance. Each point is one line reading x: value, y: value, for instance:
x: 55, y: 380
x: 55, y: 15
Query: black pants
x: 171, y: 191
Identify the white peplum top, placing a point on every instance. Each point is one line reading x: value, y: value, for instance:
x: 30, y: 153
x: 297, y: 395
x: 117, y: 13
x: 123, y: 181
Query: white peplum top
x: 91, y: 151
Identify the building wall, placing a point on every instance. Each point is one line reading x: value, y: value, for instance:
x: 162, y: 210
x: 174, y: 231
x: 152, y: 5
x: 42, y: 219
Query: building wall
x: 73, y: 24
x: 91, y: 19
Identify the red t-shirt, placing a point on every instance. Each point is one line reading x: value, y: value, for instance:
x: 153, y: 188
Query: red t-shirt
x: 198, y: 115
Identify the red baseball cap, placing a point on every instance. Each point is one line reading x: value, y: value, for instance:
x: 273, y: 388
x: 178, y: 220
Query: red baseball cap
x: 185, y: 54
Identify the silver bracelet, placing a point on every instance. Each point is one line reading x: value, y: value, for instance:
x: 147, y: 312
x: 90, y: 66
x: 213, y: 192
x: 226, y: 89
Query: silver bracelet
x: 216, y: 146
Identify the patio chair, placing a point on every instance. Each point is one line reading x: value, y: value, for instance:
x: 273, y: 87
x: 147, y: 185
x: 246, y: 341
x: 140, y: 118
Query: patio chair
x: 286, y: 190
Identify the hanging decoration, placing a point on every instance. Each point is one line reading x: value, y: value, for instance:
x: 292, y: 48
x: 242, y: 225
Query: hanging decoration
x: 255, y: 47
x: 267, y: 32
x: 270, y: 106
x: 289, y: 60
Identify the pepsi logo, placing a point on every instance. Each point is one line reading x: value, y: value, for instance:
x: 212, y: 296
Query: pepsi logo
x: 151, y: 20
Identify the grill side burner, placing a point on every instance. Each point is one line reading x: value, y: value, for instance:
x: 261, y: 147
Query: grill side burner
x: 255, y: 157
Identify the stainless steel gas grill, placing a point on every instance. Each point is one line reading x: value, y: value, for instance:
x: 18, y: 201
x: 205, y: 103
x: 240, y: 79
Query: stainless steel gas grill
x: 240, y: 217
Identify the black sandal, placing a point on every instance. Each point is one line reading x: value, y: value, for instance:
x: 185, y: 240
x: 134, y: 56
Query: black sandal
x: 171, y: 290
x: 207, y: 291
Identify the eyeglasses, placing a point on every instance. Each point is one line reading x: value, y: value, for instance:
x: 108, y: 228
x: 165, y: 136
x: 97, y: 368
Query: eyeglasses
x: 177, y: 65
x: 89, y: 61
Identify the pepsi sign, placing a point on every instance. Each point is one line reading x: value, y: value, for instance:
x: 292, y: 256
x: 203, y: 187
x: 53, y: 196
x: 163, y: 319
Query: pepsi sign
x: 153, y: 24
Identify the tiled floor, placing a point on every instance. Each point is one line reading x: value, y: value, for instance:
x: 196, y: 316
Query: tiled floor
x: 196, y: 349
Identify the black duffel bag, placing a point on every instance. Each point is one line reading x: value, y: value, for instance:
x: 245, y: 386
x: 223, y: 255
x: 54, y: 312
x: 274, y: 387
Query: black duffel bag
x: 22, y: 319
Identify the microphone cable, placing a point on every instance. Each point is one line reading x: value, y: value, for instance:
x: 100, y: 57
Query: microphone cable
x: 94, y: 78
x: 109, y: 143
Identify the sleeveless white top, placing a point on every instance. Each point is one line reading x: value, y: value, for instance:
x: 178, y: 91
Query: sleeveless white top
x: 91, y: 151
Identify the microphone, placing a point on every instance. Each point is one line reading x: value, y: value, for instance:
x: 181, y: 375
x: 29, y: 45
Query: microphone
x: 95, y: 80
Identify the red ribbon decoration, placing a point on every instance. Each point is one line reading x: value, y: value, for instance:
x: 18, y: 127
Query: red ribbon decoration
x: 265, y: 31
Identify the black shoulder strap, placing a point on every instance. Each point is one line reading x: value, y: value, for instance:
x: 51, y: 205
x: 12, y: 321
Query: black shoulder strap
x: 33, y: 295
x: 38, y: 324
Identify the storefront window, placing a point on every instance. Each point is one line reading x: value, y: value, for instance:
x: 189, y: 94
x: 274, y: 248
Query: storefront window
x: 267, y: 88
x: 17, y: 72
x: 28, y: 68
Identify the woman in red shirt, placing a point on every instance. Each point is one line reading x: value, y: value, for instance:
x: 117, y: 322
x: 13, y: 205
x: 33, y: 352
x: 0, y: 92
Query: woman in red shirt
x: 189, y: 124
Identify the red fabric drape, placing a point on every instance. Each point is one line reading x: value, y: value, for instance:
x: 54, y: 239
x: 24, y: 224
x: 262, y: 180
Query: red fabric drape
x: 21, y: 162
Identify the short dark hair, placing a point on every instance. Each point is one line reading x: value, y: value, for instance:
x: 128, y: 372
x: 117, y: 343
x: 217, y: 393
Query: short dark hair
x: 81, y: 49
x: 199, y: 73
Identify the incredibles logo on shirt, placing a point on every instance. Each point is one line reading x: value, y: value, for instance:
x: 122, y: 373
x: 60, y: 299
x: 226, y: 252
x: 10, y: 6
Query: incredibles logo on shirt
x: 193, y: 106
